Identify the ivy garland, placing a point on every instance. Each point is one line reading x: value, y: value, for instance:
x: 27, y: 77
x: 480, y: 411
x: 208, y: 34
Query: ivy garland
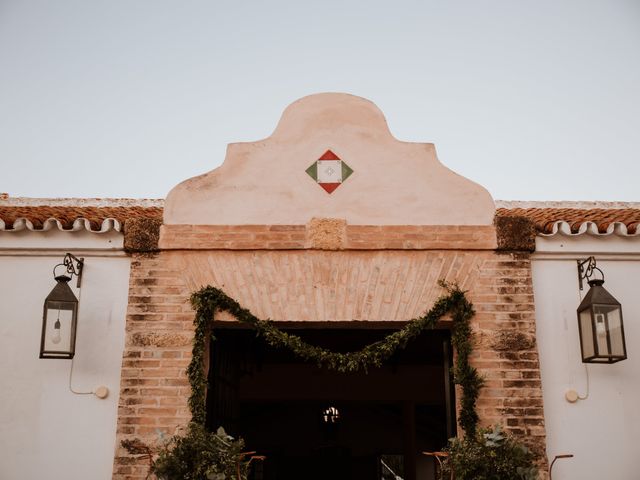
x: 209, y: 299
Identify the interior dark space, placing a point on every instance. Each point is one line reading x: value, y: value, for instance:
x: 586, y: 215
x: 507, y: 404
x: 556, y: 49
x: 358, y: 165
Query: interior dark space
x: 314, y: 423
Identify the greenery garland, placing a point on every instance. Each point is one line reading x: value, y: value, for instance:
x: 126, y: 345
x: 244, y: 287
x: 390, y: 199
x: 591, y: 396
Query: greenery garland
x: 210, y: 299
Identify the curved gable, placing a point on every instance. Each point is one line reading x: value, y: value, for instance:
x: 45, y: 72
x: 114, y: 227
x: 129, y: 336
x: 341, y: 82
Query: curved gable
x: 331, y: 156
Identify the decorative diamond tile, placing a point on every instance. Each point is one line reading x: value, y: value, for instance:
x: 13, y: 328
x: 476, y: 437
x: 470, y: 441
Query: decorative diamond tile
x: 329, y: 171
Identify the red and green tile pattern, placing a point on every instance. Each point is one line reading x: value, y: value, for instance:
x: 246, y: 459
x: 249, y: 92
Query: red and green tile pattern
x: 329, y: 171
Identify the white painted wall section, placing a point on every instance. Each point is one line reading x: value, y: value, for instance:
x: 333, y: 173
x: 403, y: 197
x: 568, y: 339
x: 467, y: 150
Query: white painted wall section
x: 45, y: 430
x: 603, y: 431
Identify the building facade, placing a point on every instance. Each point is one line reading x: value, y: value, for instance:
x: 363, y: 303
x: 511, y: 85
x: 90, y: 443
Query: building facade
x: 47, y: 430
x: 336, y: 231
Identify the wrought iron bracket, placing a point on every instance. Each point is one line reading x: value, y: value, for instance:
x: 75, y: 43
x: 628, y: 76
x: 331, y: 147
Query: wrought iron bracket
x: 73, y: 266
x: 586, y: 269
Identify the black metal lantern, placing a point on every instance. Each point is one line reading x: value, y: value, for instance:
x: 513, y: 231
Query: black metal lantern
x: 599, y: 320
x: 60, y: 314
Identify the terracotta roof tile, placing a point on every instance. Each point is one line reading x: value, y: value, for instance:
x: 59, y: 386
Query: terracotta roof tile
x: 67, y: 215
x: 545, y: 218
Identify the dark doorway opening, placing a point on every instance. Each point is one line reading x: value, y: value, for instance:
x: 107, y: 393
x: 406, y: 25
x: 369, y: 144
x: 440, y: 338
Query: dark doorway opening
x: 313, y: 423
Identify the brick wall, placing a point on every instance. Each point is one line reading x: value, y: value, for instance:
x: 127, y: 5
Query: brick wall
x: 328, y: 234
x: 313, y: 284
x: 154, y: 388
x: 506, y: 352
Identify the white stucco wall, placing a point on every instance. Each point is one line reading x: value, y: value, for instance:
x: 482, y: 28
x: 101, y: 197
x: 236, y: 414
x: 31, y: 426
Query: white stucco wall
x: 603, y: 431
x: 45, y: 430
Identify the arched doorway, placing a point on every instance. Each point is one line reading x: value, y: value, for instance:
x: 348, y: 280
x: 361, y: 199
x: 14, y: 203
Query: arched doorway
x: 317, y: 424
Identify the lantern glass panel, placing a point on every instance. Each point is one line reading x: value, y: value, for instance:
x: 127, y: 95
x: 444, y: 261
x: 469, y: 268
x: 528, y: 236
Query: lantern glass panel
x: 608, y: 320
x: 58, y: 327
x: 586, y: 334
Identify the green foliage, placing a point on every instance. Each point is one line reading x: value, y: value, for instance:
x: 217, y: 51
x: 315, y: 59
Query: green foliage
x: 210, y: 299
x: 488, y: 455
x: 202, y: 455
x: 463, y: 373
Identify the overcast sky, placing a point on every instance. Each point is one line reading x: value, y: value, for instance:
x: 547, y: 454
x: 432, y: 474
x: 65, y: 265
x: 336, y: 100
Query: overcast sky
x: 535, y: 100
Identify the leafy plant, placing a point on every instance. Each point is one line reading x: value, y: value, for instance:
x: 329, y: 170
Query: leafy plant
x: 202, y: 455
x: 490, y: 454
x: 453, y: 301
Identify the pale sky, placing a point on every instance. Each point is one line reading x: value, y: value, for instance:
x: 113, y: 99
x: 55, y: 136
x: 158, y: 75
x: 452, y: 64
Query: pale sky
x: 535, y: 100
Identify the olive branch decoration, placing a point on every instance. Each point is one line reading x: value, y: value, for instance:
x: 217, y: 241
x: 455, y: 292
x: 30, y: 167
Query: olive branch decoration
x: 208, y: 300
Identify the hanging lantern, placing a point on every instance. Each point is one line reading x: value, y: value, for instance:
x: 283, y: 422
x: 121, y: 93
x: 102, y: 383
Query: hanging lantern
x: 60, y: 314
x: 600, y: 321
x: 330, y: 415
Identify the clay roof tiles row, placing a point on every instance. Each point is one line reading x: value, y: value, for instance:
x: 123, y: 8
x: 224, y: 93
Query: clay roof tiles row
x: 577, y: 220
x: 109, y: 214
x: 45, y: 217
